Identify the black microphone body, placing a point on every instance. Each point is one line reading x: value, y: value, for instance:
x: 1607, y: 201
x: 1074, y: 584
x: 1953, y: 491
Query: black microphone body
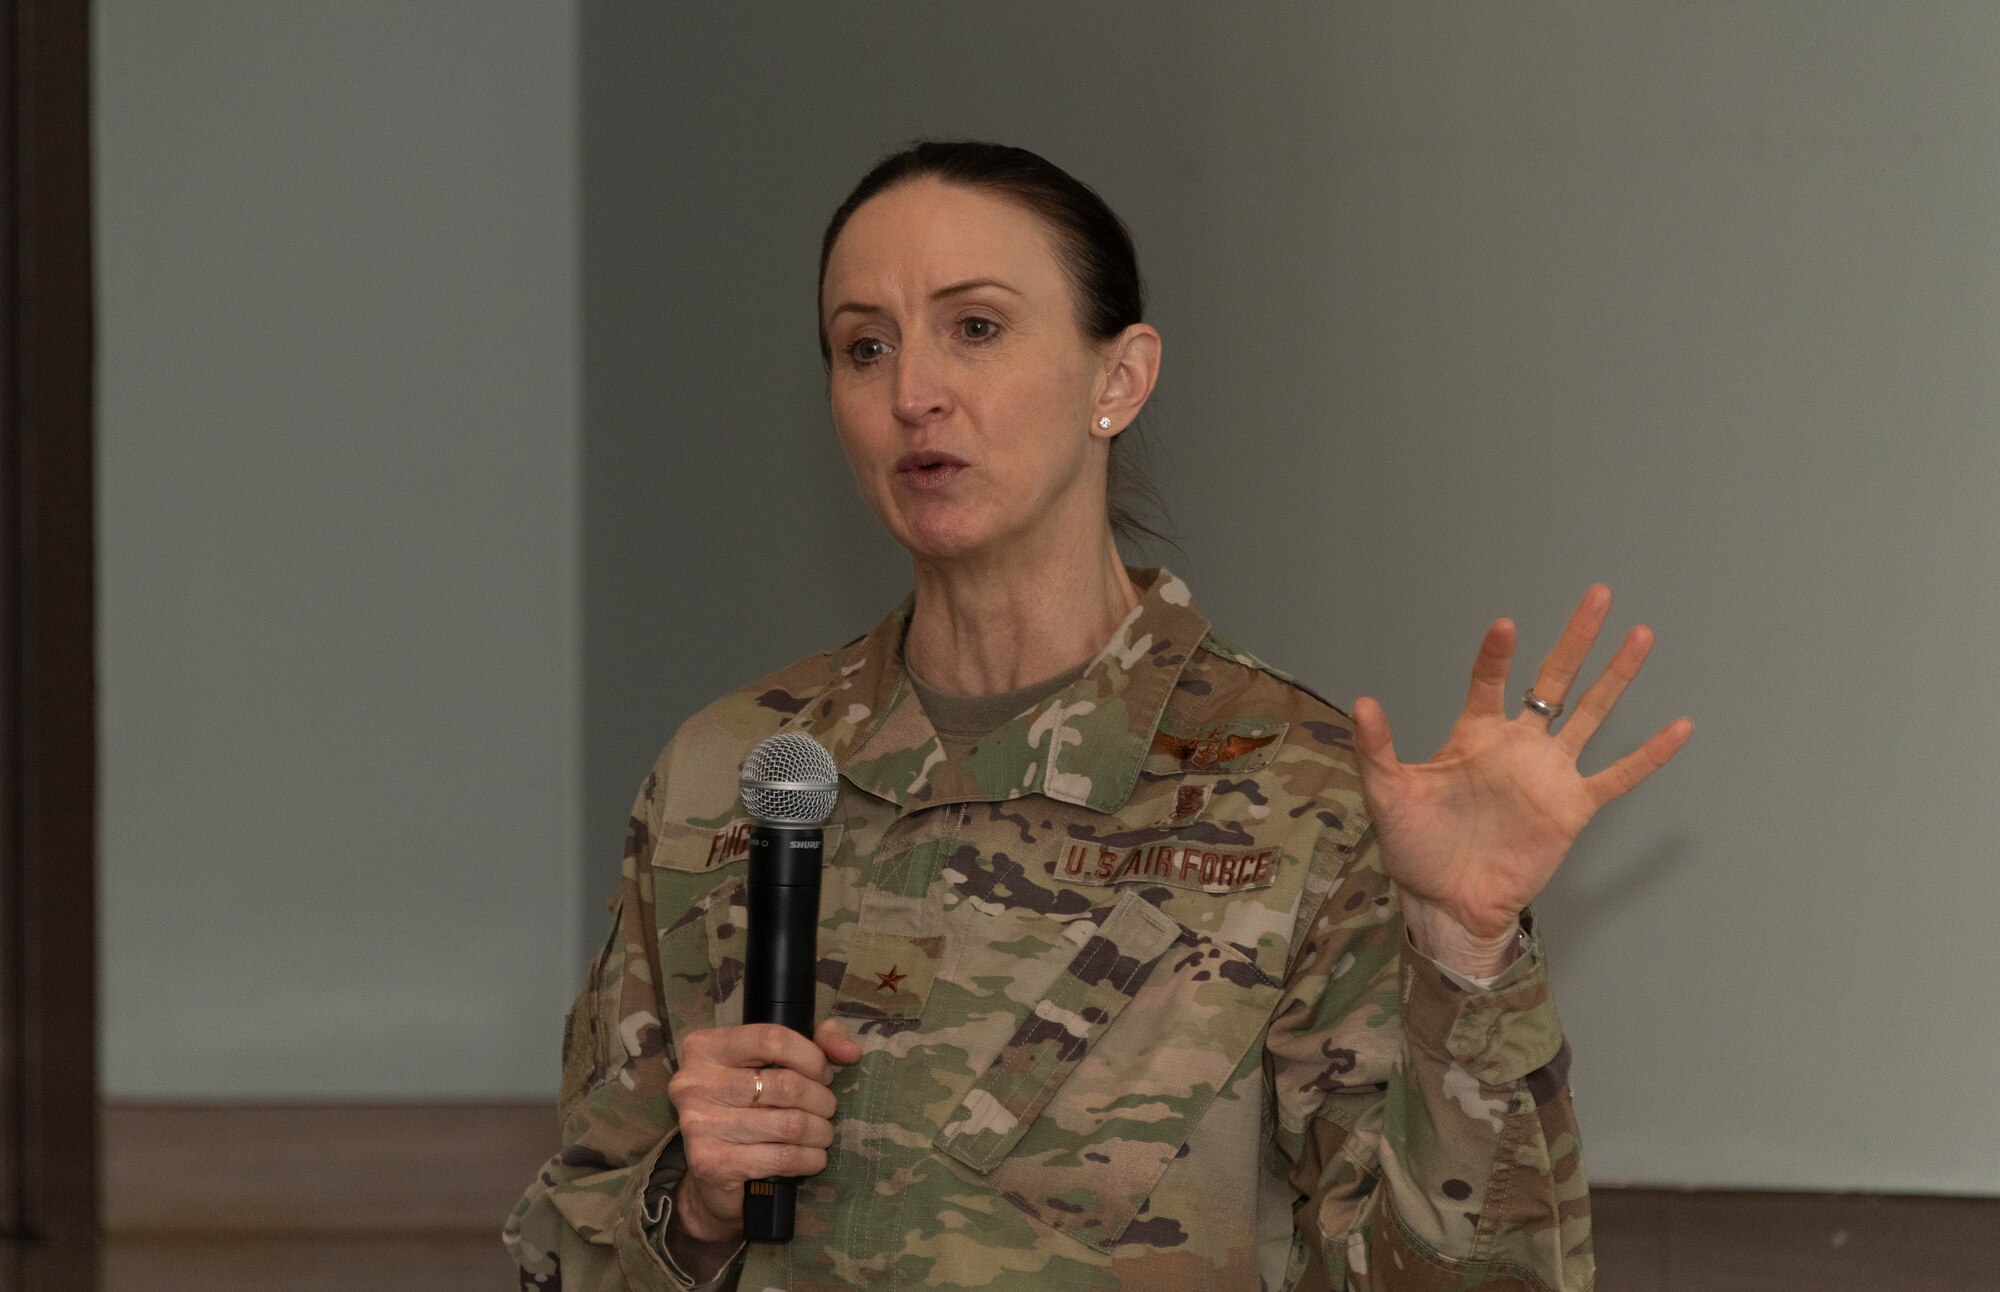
x: 778, y: 976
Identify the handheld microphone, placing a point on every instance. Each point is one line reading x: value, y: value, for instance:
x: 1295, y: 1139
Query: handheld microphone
x: 788, y: 785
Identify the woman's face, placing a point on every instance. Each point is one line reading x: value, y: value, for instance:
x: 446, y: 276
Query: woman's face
x: 968, y: 412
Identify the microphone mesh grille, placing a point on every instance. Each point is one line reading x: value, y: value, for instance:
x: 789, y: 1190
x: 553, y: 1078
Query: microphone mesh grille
x: 796, y: 760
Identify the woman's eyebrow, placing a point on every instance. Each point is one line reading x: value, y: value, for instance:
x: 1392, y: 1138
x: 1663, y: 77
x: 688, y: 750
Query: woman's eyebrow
x: 939, y: 294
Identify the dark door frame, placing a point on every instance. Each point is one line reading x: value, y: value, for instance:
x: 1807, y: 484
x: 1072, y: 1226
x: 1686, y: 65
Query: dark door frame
x: 48, y: 643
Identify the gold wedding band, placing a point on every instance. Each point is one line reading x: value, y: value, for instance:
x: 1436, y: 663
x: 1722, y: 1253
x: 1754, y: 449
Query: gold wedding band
x: 757, y: 1094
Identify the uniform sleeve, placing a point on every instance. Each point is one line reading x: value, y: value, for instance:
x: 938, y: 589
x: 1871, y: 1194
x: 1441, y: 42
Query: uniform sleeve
x: 594, y: 1218
x: 1426, y: 1128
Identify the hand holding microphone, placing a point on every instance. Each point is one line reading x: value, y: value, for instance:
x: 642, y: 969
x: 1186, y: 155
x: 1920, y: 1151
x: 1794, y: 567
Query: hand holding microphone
x: 753, y: 1104
x: 752, y: 1101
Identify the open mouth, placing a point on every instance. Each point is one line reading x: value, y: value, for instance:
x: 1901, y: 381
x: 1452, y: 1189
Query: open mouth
x: 926, y: 467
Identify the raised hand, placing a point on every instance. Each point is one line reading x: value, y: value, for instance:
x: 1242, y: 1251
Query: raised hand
x: 1472, y: 836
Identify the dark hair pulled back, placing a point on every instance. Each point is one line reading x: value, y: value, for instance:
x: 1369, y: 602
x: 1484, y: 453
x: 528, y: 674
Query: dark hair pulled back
x: 1097, y: 257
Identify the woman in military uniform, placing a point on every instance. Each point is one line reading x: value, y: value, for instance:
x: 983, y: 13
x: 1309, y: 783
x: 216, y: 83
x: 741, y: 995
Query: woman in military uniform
x: 1141, y: 964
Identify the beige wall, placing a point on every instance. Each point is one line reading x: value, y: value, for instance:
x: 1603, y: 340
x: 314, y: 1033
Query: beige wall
x: 338, y: 445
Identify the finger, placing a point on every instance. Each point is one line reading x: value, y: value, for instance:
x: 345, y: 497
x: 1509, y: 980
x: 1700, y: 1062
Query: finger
x: 773, y: 1126
x: 1619, y: 778
x: 1598, y: 701
x: 786, y: 1159
x: 783, y: 1088
x: 1487, y: 696
x: 724, y: 1163
x: 1371, y: 734
x: 833, y: 1041
x: 1561, y: 665
x: 764, y: 1045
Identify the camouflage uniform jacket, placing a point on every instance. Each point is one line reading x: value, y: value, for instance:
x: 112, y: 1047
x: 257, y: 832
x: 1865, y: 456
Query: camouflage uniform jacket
x: 1135, y: 999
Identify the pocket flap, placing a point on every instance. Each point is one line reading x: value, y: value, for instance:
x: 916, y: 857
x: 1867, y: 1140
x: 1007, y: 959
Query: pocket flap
x: 1106, y: 972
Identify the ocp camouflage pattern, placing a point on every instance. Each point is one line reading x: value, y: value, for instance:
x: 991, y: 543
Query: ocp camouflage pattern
x: 1134, y: 995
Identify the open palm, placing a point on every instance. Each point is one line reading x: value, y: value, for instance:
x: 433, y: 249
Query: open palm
x: 1477, y: 832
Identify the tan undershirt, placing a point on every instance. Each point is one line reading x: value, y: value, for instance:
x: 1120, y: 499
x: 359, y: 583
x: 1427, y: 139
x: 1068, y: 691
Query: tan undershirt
x: 961, y: 720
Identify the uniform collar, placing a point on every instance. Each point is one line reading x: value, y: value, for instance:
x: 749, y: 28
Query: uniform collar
x: 1082, y: 745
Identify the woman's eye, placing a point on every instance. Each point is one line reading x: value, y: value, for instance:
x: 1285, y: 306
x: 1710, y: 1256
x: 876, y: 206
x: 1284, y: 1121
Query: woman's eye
x: 975, y: 322
x: 859, y: 358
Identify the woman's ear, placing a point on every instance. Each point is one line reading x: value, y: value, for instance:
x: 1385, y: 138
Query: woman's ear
x: 1131, y: 367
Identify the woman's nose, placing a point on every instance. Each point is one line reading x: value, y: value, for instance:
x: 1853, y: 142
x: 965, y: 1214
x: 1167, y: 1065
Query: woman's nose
x: 921, y: 390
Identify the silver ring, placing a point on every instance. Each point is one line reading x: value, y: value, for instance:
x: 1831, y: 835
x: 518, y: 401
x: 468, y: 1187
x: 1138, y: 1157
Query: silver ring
x: 757, y: 1093
x: 1542, y: 707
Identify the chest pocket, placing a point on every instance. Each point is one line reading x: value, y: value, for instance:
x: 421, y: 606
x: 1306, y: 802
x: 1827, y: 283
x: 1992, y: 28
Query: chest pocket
x: 1100, y: 1085
x: 701, y: 892
x: 701, y: 896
